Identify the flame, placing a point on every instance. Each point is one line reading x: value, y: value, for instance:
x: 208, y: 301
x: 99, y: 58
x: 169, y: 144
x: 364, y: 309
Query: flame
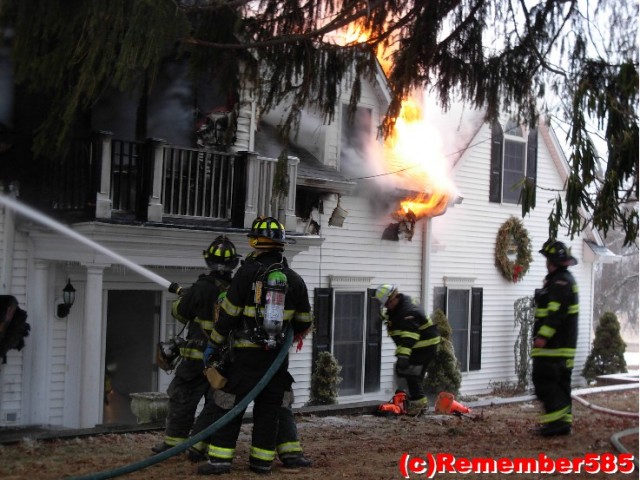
x: 413, y: 151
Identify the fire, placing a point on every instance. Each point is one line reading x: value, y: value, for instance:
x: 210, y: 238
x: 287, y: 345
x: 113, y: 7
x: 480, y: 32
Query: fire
x: 413, y: 151
x: 423, y: 205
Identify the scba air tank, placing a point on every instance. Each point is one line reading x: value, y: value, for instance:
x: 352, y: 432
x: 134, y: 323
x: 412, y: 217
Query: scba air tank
x: 276, y: 290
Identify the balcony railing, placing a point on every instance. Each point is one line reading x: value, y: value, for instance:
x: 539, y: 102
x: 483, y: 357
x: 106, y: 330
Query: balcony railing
x: 154, y: 182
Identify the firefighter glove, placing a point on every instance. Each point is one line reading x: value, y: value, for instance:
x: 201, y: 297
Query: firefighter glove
x: 211, y: 354
x: 175, y: 288
x: 402, y: 365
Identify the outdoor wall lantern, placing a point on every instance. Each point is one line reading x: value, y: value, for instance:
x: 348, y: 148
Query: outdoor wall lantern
x: 68, y: 297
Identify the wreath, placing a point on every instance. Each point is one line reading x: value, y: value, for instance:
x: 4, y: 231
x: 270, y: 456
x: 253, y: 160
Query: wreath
x: 513, y: 238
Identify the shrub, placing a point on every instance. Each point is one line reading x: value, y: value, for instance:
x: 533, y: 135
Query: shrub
x: 443, y: 373
x: 325, y: 380
x: 607, y: 353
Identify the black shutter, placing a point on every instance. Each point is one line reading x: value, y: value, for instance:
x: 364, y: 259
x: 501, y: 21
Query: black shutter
x: 373, y: 352
x: 440, y: 299
x: 495, y: 177
x: 476, y: 329
x: 322, y: 311
x: 532, y: 165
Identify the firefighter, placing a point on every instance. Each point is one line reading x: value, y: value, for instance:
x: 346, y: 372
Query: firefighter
x: 416, y: 338
x: 265, y: 298
x: 195, y: 308
x: 555, y: 335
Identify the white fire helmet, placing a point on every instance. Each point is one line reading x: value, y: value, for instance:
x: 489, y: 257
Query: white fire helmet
x: 385, y: 292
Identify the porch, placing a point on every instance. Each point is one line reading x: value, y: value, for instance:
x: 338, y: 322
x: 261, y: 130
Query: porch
x: 109, y: 179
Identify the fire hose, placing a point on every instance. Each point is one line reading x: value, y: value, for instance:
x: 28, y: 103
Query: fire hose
x: 615, y: 438
x: 161, y: 457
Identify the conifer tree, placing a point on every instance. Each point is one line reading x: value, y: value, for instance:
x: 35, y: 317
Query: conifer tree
x: 607, y: 352
x: 443, y: 373
x: 496, y: 55
x: 325, y: 380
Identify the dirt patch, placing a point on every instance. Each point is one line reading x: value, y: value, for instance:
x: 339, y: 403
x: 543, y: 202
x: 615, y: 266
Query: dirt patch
x: 354, y: 446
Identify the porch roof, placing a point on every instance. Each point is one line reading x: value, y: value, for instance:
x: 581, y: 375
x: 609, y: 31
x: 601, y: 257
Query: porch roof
x: 311, y: 171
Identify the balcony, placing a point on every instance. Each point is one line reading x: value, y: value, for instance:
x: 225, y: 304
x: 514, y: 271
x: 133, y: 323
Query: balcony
x: 151, y: 182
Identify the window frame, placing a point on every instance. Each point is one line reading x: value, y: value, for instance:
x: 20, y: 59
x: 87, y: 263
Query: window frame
x: 474, y: 317
x: 325, y: 300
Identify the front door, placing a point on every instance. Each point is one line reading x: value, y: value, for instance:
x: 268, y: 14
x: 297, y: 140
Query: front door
x: 133, y: 320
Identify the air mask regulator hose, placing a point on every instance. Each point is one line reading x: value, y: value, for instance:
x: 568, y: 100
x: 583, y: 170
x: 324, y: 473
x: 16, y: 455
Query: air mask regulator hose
x: 161, y: 457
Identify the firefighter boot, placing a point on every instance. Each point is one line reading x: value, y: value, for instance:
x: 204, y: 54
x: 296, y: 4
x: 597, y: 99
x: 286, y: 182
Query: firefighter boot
x: 416, y: 407
x: 195, y: 455
x: 161, y: 447
x: 297, y: 460
x: 214, y: 467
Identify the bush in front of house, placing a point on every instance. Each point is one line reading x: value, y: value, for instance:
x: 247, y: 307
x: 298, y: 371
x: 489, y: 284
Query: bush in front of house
x: 443, y: 373
x: 325, y: 380
x: 607, y: 352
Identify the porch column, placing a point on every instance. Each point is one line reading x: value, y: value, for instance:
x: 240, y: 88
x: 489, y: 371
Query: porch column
x: 156, y: 167
x: 290, y: 205
x: 104, y: 205
x: 39, y: 339
x: 93, y: 340
x: 251, y: 198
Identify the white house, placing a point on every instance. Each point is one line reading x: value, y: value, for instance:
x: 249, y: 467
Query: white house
x: 159, y: 205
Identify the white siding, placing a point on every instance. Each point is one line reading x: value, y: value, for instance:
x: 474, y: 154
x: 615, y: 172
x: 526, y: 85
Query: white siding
x: 466, y: 237
x: 356, y: 249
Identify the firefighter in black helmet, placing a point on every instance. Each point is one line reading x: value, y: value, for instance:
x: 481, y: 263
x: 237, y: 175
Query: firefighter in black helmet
x: 555, y: 337
x: 265, y: 298
x: 195, y: 308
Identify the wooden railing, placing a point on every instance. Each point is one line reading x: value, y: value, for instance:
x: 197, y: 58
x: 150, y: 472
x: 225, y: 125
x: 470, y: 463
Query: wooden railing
x: 152, y: 181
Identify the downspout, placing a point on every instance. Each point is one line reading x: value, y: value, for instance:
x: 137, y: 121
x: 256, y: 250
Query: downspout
x: 426, y: 261
x: 8, y: 247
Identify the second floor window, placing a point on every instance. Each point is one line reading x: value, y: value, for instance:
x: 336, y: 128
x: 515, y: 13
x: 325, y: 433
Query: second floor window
x: 513, y: 159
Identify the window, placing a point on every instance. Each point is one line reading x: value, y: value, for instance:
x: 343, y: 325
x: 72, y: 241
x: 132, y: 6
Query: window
x: 463, y: 307
x: 347, y: 325
x: 355, y: 137
x: 512, y: 158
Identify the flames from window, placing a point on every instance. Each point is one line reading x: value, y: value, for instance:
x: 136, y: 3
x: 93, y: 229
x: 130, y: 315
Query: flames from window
x: 412, y: 154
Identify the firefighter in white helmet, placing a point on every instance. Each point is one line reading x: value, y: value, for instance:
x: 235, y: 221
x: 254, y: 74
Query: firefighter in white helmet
x: 416, y: 338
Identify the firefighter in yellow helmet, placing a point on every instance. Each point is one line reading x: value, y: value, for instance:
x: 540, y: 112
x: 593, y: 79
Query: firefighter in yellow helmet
x: 416, y: 338
x: 555, y: 338
x: 266, y: 297
x: 195, y: 307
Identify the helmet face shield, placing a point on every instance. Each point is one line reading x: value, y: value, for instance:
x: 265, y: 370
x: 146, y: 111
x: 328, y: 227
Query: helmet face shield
x: 221, y: 255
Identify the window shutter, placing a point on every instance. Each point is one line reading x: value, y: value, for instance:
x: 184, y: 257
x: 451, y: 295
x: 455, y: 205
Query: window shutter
x: 322, y: 311
x: 532, y: 164
x: 476, y: 329
x: 373, y: 346
x: 495, y: 177
x: 440, y: 299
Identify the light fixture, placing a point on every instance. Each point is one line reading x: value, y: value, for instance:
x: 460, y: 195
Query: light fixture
x: 68, y: 297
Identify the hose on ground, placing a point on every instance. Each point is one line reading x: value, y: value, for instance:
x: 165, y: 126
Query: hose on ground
x: 615, y: 440
x: 161, y: 457
x: 603, y: 409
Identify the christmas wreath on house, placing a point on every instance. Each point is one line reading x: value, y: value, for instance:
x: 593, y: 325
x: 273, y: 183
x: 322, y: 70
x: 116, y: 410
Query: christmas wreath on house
x: 513, y: 250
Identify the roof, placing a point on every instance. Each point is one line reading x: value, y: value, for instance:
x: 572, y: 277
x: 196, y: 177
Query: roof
x: 311, y: 172
x: 598, y: 253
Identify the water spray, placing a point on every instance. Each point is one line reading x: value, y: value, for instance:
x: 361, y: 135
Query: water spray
x: 27, y: 211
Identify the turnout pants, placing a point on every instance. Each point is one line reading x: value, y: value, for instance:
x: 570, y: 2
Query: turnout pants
x: 552, y: 382
x: 248, y: 368
x: 414, y: 375
x: 185, y: 391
